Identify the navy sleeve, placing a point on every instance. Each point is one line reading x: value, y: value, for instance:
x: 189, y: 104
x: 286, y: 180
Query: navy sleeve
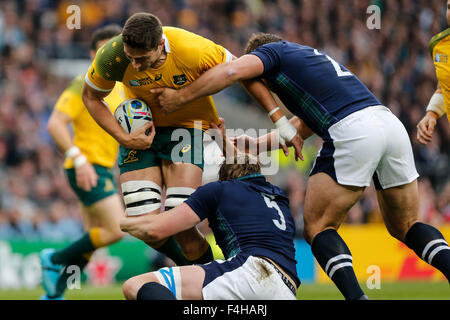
x: 270, y: 56
x: 205, y: 200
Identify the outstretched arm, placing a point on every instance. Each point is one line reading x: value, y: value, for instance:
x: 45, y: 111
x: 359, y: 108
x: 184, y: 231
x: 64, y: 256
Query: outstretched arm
x: 211, y: 82
x: 245, y: 69
x: 152, y: 228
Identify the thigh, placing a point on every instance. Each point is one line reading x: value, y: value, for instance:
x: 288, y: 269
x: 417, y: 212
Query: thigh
x: 185, y: 282
x: 327, y: 203
x: 106, y: 213
x: 177, y: 174
x: 400, y: 208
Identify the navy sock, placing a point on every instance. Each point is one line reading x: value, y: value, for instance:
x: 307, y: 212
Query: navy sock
x: 154, y: 291
x: 74, y: 251
x: 335, y: 259
x: 429, y: 244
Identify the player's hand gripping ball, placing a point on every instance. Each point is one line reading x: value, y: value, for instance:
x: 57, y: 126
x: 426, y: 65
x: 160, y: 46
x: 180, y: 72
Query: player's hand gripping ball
x: 132, y: 114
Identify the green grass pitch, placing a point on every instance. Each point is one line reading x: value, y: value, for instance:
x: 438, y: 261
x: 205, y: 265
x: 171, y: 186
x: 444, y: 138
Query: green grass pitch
x: 388, y: 291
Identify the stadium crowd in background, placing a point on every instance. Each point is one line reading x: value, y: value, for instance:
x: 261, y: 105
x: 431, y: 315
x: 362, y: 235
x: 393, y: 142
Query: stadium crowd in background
x: 394, y: 62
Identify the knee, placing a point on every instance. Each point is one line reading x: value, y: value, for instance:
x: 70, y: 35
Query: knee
x: 112, y: 236
x: 312, y: 227
x: 399, y: 230
x: 131, y: 288
x: 192, y: 245
x: 315, y: 223
x: 308, y: 235
x: 117, y: 236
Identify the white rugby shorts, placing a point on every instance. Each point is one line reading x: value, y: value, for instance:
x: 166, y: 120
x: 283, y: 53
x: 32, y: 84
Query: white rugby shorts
x: 368, y: 144
x: 242, y: 278
x: 238, y: 278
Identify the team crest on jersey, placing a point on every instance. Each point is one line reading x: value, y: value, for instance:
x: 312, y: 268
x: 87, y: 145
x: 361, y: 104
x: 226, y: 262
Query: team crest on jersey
x: 180, y: 79
x: 441, y: 58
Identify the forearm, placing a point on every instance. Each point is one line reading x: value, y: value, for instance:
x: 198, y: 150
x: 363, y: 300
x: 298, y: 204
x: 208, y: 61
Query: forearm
x: 60, y: 133
x: 262, y: 95
x: 436, y: 106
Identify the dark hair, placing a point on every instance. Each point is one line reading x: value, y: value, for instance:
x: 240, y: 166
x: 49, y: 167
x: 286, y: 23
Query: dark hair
x: 239, y: 166
x: 104, y: 33
x: 142, y: 31
x: 259, y: 39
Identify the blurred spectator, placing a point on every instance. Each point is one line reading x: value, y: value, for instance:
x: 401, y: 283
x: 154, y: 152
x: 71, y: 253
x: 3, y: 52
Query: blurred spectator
x: 394, y: 62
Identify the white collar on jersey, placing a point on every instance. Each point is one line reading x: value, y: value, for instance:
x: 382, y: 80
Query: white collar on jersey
x: 166, y: 44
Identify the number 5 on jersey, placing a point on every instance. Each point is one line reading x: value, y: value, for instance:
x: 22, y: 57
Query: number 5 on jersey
x: 280, y: 224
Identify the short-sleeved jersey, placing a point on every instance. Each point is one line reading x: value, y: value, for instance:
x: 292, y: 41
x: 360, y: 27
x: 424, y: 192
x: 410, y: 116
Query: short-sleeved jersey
x: 94, y: 142
x: 440, y: 51
x: 312, y: 85
x: 188, y: 56
x: 249, y: 216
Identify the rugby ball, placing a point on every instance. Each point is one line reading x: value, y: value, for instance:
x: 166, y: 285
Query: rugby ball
x: 132, y: 114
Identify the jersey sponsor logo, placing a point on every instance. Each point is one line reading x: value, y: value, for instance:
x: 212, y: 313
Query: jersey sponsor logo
x: 131, y: 157
x: 441, y: 58
x: 141, y: 82
x: 180, y: 79
x: 145, y: 81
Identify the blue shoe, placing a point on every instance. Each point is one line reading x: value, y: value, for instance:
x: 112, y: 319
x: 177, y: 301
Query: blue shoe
x: 50, y: 274
x: 46, y: 297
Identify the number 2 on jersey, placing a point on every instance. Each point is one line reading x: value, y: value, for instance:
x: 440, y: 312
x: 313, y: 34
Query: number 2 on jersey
x: 272, y: 204
x: 336, y: 65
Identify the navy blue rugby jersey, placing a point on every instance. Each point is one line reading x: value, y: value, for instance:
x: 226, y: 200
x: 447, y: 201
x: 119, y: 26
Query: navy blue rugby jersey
x: 312, y: 85
x: 249, y: 216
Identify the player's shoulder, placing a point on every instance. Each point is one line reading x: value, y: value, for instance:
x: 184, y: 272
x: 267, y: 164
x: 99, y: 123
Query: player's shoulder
x: 438, y: 38
x: 76, y: 85
x: 111, y: 61
x: 185, y: 44
x: 179, y: 36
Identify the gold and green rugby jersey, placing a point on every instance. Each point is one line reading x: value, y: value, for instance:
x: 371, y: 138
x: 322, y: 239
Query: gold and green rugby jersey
x: 440, y: 51
x: 188, y: 56
x: 94, y: 142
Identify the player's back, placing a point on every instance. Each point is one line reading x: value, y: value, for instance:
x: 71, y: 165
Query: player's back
x: 312, y: 85
x: 249, y: 216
